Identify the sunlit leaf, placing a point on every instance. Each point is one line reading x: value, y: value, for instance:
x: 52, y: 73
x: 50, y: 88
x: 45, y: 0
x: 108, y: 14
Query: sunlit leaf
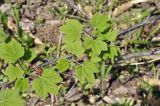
x: 46, y: 83
x: 99, y: 22
x: 85, y: 72
x: 72, y: 30
x: 113, y: 52
x: 13, y: 72
x: 11, y: 51
x: 62, y: 65
x: 75, y: 48
x: 10, y: 98
x: 22, y: 84
x: 109, y: 36
x: 94, y: 58
x: 3, y: 35
x: 95, y: 45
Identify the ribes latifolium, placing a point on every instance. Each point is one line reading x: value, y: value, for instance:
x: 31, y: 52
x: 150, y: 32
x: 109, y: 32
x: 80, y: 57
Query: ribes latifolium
x: 97, y: 47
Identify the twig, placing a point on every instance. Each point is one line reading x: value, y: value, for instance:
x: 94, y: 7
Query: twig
x: 157, y: 3
x: 71, y: 3
x: 52, y: 61
x: 129, y: 56
x: 76, y: 17
x: 134, y: 64
x: 150, y: 20
x: 5, y: 84
x: 72, y: 86
x: 86, y: 32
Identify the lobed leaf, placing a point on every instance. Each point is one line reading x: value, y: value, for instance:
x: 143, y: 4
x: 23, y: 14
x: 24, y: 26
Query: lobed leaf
x: 114, y: 50
x: 62, y: 65
x: 72, y: 30
x: 94, y: 58
x: 99, y: 22
x: 95, y: 45
x: 22, y: 84
x: 46, y: 83
x: 75, y: 48
x: 3, y: 35
x: 11, y: 51
x: 85, y: 72
x: 13, y: 72
x: 109, y: 36
x: 10, y: 97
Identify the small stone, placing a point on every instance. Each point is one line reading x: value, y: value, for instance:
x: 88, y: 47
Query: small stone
x: 121, y: 90
x: 117, y: 100
x: 5, y: 7
x: 93, y: 98
x: 29, y: 13
x: 27, y: 25
x: 73, y: 95
x: 108, y: 100
x: 132, y: 90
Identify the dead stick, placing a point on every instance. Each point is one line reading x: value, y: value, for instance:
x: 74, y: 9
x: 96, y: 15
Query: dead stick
x: 71, y: 3
x: 134, y: 64
x: 148, y: 20
x: 140, y: 54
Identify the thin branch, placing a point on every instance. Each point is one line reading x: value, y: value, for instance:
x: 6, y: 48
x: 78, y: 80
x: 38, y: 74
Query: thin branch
x: 6, y: 84
x: 150, y: 20
x: 71, y: 3
x: 135, y: 64
x: 76, y: 17
x: 86, y: 32
x: 140, y: 54
x: 72, y: 86
x: 52, y: 61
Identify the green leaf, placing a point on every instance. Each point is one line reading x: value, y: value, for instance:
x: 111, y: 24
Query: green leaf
x: 72, y: 38
x: 94, y: 57
x: 113, y: 52
x: 28, y: 40
x: 3, y: 35
x: 10, y: 98
x: 22, y: 84
x: 72, y: 30
x: 29, y: 55
x: 13, y: 72
x: 95, y: 45
x: 99, y: 22
x: 85, y: 72
x: 75, y: 48
x: 109, y: 36
x: 46, y: 83
x: 62, y: 65
x: 11, y: 51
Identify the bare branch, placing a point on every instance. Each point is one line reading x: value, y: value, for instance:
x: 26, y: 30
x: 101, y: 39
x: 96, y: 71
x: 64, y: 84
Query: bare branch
x: 71, y: 3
